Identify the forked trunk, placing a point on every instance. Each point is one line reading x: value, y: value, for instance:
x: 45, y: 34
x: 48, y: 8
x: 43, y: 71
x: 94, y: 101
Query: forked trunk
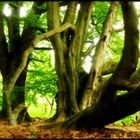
x: 110, y: 107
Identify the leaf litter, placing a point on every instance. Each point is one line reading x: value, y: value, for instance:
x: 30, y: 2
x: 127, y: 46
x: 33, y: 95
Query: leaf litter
x: 33, y: 130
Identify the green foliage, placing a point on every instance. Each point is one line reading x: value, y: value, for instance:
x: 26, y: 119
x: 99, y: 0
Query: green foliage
x: 117, y: 40
x: 129, y: 120
x: 99, y: 14
x: 42, y: 110
x: 43, y: 21
x: 41, y: 65
x: 31, y: 19
x: 28, y: 4
x: 121, y: 92
x: 42, y: 6
x: 15, y: 3
x: 115, y: 48
x: 40, y: 84
x: 38, y: 22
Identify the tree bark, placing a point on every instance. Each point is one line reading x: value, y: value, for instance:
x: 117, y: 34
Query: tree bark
x: 66, y: 53
x: 109, y: 106
x: 14, y: 56
x: 101, y: 114
x: 91, y: 90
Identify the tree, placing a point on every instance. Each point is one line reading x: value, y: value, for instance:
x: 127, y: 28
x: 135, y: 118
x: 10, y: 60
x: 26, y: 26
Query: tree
x: 84, y: 100
x: 14, y: 54
x: 89, y: 100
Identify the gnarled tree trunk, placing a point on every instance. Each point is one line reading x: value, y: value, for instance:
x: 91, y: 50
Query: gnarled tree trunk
x: 14, y: 56
x: 109, y: 106
x: 67, y: 54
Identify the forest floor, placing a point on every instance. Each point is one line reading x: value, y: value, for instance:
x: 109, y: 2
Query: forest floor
x: 35, y: 131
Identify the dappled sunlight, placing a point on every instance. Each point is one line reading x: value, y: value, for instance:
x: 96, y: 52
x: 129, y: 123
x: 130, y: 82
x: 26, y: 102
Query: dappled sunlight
x: 44, y: 107
x: 23, y: 11
x: 87, y: 64
x: 7, y: 10
x: 62, y: 63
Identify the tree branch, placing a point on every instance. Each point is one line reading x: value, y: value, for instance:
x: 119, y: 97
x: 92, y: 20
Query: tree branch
x: 53, y: 32
x: 127, y: 65
x: 13, y: 27
x: 41, y: 29
x: 88, y: 51
x: 109, y: 67
x: 122, y: 28
x: 69, y: 18
x: 97, y: 63
x: 101, y: 114
x: 70, y: 13
x: 82, y: 27
x: 130, y: 54
x: 28, y: 30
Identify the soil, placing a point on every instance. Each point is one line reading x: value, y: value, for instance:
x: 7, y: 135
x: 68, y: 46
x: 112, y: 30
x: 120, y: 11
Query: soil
x: 35, y: 130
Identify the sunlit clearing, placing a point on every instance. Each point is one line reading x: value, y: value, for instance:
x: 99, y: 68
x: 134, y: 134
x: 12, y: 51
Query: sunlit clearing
x: 23, y: 11
x: 87, y: 64
x: 63, y: 8
x: 42, y: 100
x: 137, y: 4
x: 42, y: 44
x: 96, y: 40
x: 7, y: 10
x: 78, y: 7
x: 118, y: 26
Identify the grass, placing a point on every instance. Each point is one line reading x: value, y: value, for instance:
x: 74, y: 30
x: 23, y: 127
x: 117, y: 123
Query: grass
x: 41, y: 111
x: 41, y: 108
x: 129, y: 120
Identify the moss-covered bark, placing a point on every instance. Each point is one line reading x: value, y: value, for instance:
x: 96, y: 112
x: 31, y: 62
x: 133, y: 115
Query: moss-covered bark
x: 103, y: 113
x: 67, y: 54
x: 109, y: 106
x: 95, y: 79
x: 14, y: 56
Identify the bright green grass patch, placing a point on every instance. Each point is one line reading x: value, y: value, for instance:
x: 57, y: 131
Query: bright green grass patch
x: 129, y: 120
x: 40, y: 111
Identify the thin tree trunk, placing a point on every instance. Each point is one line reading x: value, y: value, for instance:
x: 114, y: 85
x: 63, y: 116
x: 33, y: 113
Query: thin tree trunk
x: 95, y: 76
